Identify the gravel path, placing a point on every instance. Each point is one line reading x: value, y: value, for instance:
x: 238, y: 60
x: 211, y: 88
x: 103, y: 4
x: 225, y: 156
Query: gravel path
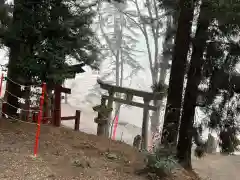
x: 218, y: 167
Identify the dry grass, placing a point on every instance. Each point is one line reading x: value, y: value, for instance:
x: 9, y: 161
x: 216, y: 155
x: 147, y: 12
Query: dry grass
x: 65, y: 155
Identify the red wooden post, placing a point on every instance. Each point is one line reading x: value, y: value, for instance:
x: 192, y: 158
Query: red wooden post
x: 115, y: 128
x: 57, y: 107
x: 39, y: 119
x: 77, y: 120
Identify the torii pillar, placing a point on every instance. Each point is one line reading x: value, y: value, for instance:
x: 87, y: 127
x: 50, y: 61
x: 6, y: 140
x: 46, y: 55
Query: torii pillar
x: 57, y: 104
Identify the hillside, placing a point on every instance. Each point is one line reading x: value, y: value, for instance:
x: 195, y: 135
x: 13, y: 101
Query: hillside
x: 65, y: 155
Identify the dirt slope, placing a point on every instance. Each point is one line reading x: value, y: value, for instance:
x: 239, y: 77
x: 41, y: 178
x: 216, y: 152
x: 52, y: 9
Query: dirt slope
x: 65, y: 155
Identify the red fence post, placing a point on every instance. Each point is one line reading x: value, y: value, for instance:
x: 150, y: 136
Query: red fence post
x: 77, y: 120
x: 39, y: 119
x: 115, y: 127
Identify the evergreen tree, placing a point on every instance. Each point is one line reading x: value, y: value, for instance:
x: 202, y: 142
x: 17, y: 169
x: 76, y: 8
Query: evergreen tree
x: 222, y: 93
x: 191, y: 93
x: 43, y: 34
x: 214, y: 51
x: 179, y: 60
x: 5, y: 19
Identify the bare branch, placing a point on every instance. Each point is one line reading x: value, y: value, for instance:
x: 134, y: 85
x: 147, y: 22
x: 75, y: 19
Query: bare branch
x: 147, y: 41
x: 103, y: 32
x: 128, y: 15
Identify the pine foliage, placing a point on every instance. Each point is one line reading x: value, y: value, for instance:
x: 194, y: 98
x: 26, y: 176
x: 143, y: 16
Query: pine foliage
x: 52, y: 31
x: 220, y: 75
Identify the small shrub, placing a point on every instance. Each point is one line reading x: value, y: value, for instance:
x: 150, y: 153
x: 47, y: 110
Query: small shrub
x: 162, y: 166
x: 160, y: 163
x: 200, y: 151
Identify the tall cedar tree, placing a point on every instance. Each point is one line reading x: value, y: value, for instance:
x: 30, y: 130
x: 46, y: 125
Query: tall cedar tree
x: 222, y: 55
x: 16, y: 45
x: 174, y: 98
x: 43, y: 33
x: 193, y: 80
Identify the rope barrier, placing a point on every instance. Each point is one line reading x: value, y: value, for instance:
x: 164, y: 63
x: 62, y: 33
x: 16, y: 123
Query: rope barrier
x: 24, y: 86
x: 40, y: 111
x: 15, y: 119
x: 12, y: 94
x: 32, y: 123
x: 17, y: 96
x: 35, y: 93
x: 1, y: 99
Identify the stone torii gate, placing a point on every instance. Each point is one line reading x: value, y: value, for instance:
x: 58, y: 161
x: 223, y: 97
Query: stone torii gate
x: 105, y: 108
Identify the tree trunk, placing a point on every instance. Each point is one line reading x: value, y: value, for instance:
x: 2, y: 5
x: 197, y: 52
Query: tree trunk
x: 155, y: 121
x: 13, y: 88
x: 119, y: 80
x: 21, y: 48
x: 174, y: 100
x: 164, y: 66
x: 191, y: 93
x: 119, y: 62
